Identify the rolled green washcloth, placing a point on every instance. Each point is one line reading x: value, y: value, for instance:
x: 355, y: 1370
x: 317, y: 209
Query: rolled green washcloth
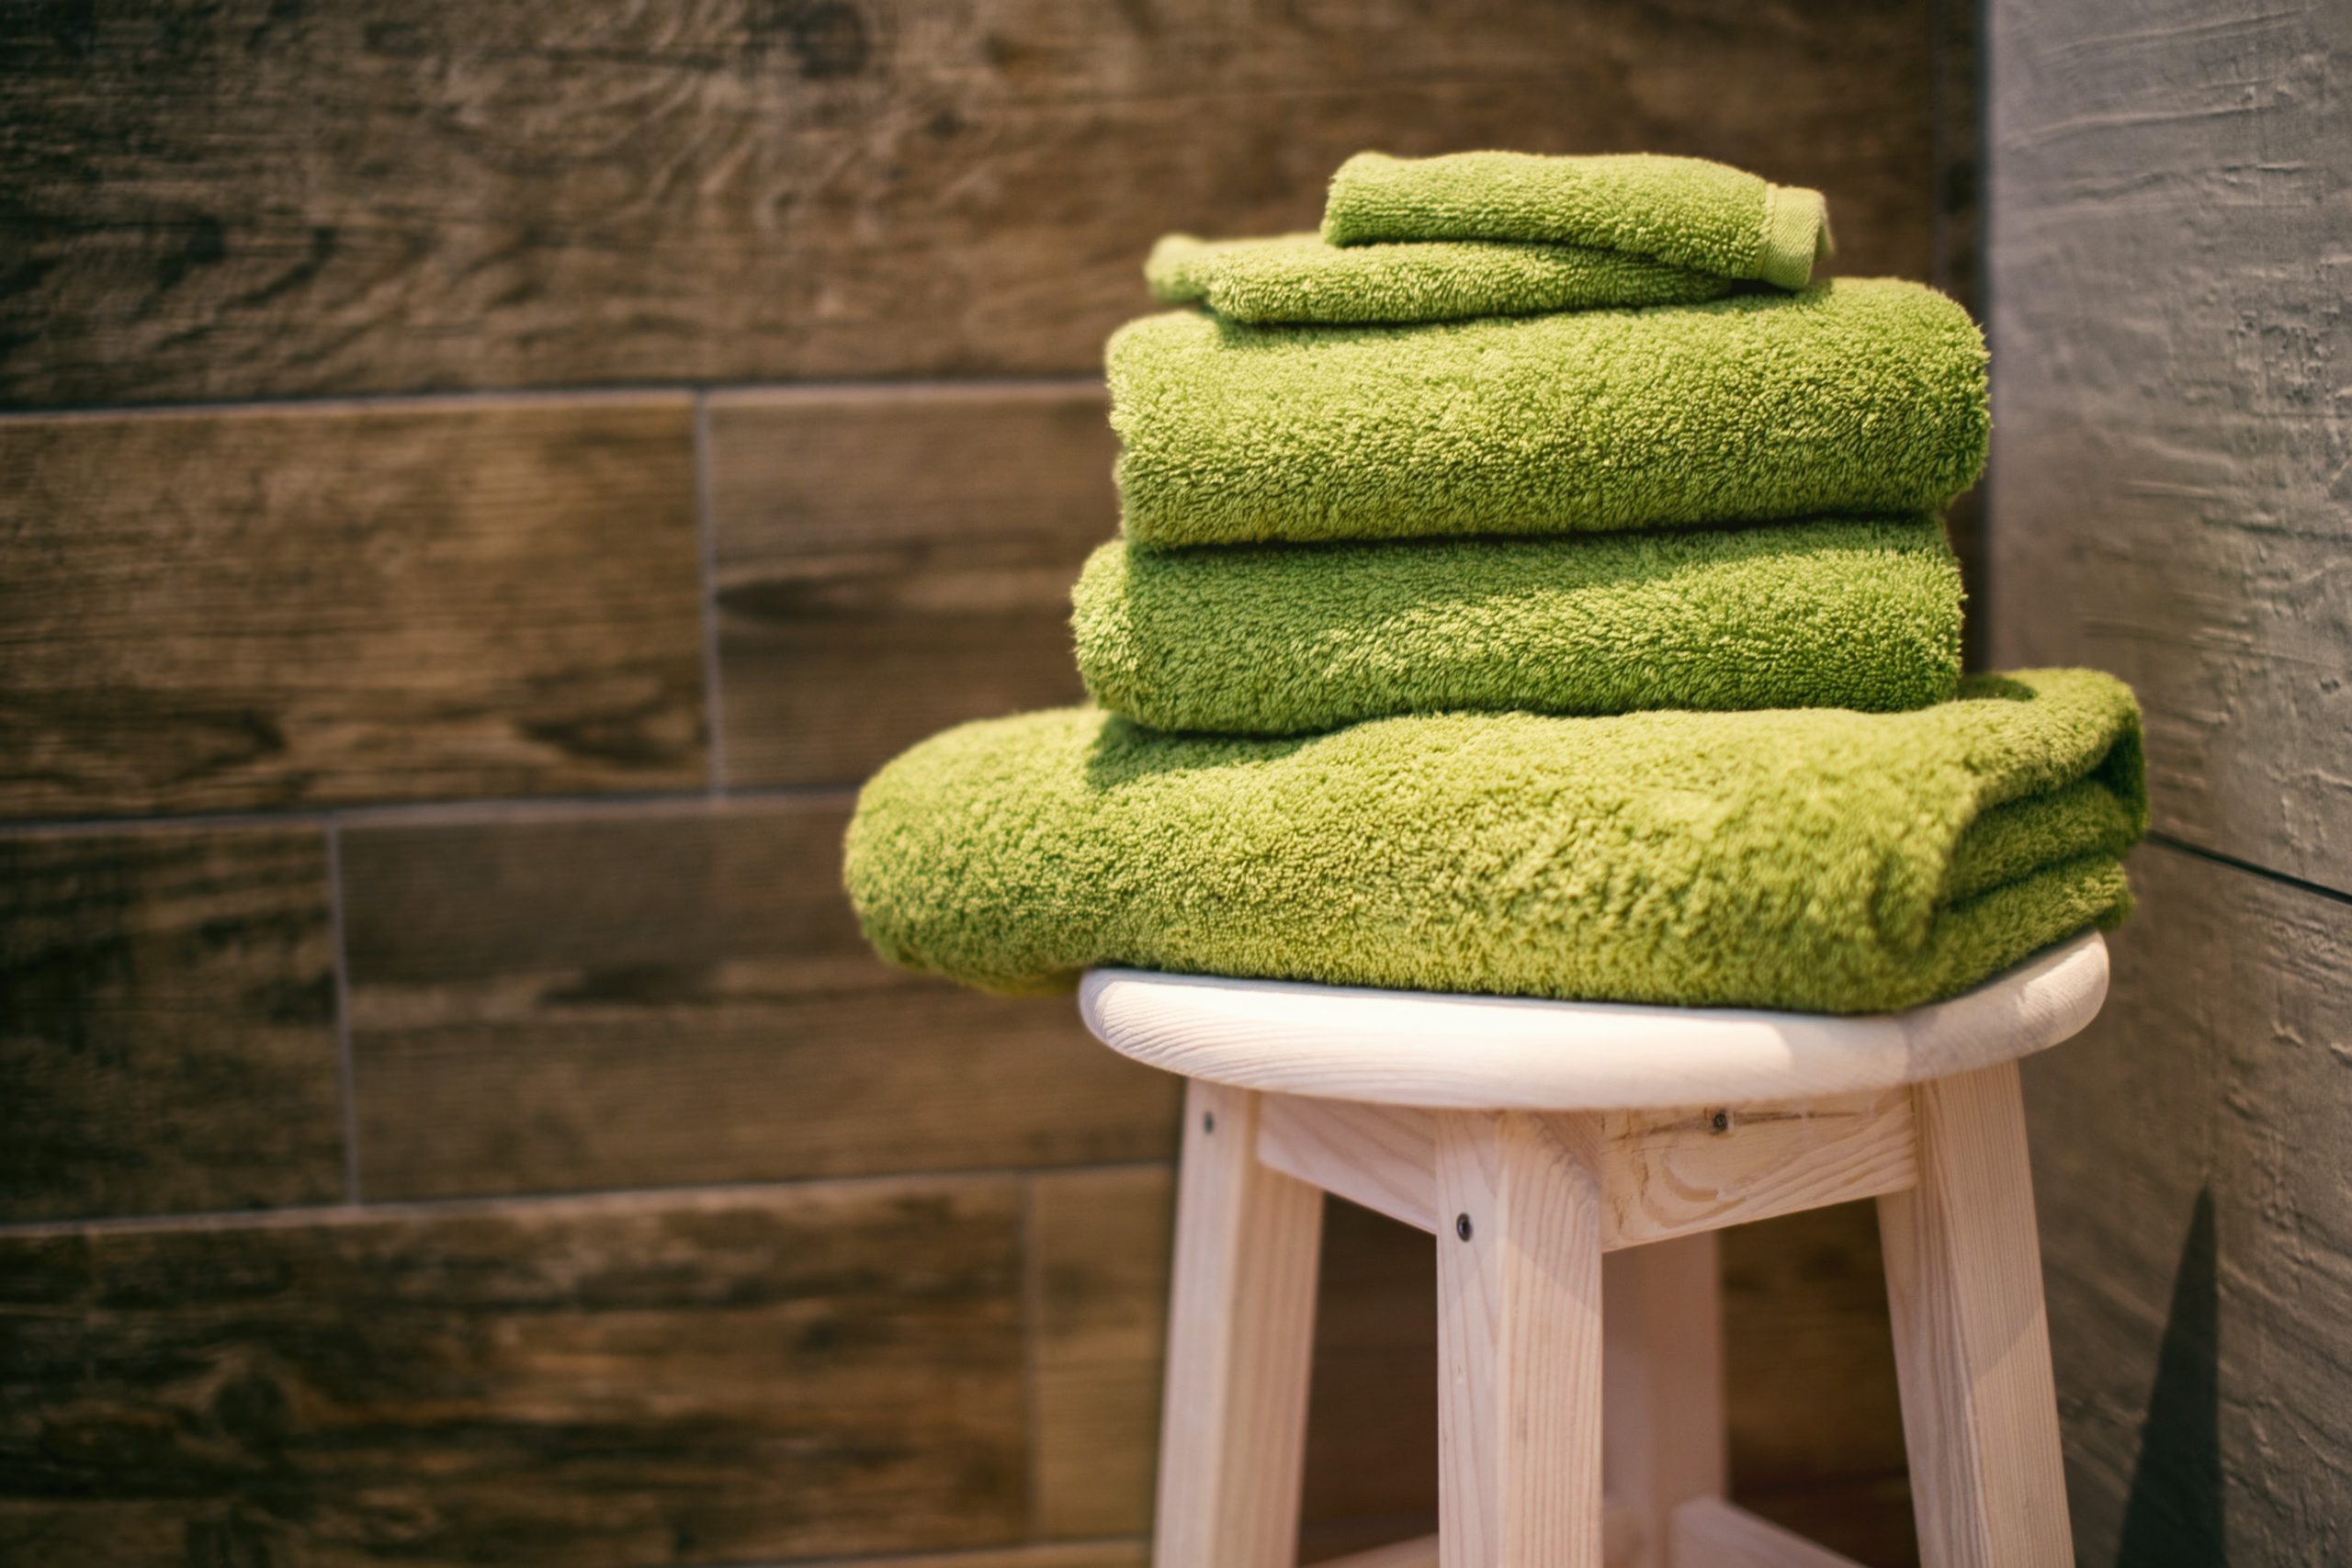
x: 1298, y: 278
x: 1853, y: 397
x: 1808, y: 858
x: 1283, y: 639
x: 1708, y: 217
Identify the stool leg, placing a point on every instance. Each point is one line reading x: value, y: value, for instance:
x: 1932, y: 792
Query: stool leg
x: 1519, y: 1341
x: 1663, y: 1437
x: 1972, y: 1340
x: 1240, y: 1336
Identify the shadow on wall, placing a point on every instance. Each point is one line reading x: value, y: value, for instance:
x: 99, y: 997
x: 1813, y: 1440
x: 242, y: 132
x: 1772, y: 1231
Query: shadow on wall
x: 2173, y: 1517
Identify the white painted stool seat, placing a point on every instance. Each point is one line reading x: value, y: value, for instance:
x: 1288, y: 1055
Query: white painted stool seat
x: 1466, y: 1053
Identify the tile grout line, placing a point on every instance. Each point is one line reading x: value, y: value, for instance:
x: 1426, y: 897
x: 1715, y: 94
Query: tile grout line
x: 345, y: 1065
x: 946, y: 1556
x: 2215, y: 857
x: 707, y: 525
x: 464, y: 396
x: 288, y: 1215
x: 390, y: 814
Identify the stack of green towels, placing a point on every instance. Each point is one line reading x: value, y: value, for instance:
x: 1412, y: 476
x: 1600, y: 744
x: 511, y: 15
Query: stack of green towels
x: 1531, y: 585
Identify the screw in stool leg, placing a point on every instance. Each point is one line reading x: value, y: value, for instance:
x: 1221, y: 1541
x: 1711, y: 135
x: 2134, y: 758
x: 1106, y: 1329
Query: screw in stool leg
x: 1240, y: 1336
x: 1520, y: 1341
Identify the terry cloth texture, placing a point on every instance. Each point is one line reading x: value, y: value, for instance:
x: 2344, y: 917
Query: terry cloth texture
x: 1813, y: 857
x: 1298, y: 278
x: 1849, y: 397
x: 1707, y: 217
x: 1285, y: 639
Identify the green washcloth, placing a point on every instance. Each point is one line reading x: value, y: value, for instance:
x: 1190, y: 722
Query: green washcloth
x: 1707, y: 217
x: 1282, y: 639
x: 1298, y: 278
x: 1806, y: 858
x: 1854, y: 397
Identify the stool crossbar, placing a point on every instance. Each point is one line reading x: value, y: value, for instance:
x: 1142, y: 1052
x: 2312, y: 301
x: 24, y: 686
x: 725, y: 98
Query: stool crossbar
x: 1565, y: 1156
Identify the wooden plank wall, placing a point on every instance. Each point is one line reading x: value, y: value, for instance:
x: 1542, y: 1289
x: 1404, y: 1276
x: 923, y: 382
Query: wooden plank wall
x: 2171, y: 191
x: 480, y: 485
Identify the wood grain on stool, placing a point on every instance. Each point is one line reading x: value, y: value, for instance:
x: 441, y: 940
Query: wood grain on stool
x: 1679, y: 1171
x: 1690, y: 1171
x: 1971, y: 1339
x: 1382, y: 1157
x: 1241, y: 1327
x: 1519, y: 1341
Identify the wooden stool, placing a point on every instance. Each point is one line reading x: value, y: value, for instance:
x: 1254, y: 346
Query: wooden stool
x: 1535, y: 1140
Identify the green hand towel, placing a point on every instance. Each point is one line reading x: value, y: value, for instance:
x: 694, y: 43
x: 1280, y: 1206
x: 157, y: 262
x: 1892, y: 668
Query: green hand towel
x: 1298, y: 278
x: 1707, y: 217
x: 1853, y: 397
x: 1808, y: 858
x: 1283, y: 639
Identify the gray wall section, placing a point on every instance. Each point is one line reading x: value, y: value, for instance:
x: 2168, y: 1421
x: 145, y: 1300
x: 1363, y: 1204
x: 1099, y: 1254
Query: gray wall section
x: 2195, y: 1183
x: 2170, y: 241
x: 2171, y: 233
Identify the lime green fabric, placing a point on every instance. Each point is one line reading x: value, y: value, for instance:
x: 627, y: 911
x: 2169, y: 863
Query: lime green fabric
x: 1298, y: 278
x: 1813, y: 857
x: 1850, y: 397
x: 1707, y: 217
x: 1285, y: 639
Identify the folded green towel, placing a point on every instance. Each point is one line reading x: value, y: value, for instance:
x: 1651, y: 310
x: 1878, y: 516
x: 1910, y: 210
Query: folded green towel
x: 1298, y: 278
x: 1853, y: 397
x: 1281, y: 639
x: 1708, y: 217
x: 1806, y: 858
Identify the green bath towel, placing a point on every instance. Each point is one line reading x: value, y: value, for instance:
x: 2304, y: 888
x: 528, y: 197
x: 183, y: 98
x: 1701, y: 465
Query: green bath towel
x: 1708, y: 217
x: 1298, y: 278
x: 1282, y: 639
x: 1809, y: 858
x: 1852, y: 397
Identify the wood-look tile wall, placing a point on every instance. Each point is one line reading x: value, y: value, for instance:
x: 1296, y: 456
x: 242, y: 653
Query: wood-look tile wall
x: 446, y: 1114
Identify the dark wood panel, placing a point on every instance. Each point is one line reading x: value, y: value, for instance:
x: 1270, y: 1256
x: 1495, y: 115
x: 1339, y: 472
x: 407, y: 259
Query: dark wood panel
x: 166, y: 1022
x: 2195, y: 1191
x: 1956, y: 190
x: 1372, y: 1413
x: 556, y: 999
x: 1816, y: 1423
x: 1101, y: 1245
x: 2169, y: 202
x: 1866, y: 1519
x: 1098, y: 1242
x: 1808, y: 1350
x: 891, y: 563
x: 292, y: 607
x: 1087, y: 1554
x: 262, y: 197
x: 1957, y: 178
x: 713, y: 1379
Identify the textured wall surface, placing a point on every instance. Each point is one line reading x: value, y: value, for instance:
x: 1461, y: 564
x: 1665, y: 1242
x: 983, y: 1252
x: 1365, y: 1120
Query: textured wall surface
x: 2170, y: 200
x: 480, y: 485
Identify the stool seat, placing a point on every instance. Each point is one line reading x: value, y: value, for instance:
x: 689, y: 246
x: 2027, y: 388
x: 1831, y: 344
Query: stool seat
x: 1468, y: 1052
x: 1562, y: 1153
